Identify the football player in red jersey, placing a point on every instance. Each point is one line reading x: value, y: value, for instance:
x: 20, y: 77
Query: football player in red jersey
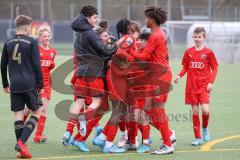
x: 47, y: 57
x: 156, y: 53
x: 200, y: 64
x: 116, y: 72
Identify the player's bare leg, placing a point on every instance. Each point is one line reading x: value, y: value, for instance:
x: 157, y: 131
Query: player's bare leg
x: 205, y: 119
x: 196, y: 125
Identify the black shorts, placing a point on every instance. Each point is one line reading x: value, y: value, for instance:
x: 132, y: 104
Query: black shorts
x: 31, y: 99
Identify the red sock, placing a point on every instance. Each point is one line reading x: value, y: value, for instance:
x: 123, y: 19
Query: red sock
x: 132, y: 131
x: 40, y: 126
x: 159, y: 120
x: 205, y: 118
x: 122, y: 126
x: 105, y: 129
x: 70, y: 125
x: 77, y: 136
x: 78, y: 125
x: 145, y: 130
x: 196, y: 126
x: 112, y: 131
x: 97, y: 124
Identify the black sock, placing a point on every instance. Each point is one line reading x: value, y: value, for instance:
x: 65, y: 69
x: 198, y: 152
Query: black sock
x: 18, y: 126
x: 28, y: 128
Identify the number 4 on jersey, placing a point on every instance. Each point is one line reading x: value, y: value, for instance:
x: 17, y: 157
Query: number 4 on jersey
x: 16, y: 56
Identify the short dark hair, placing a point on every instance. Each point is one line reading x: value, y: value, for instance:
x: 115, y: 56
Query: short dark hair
x: 22, y: 20
x: 144, y: 36
x: 89, y: 11
x: 122, y: 26
x: 156, y: 13
x: 199, y: 30
x: 103, y: 24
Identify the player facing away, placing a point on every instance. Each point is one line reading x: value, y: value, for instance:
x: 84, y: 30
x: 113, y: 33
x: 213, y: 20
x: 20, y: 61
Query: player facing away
x: 21, y: 56
x: 156, y: 52
x: 47, y: 56
x: 200, y: 64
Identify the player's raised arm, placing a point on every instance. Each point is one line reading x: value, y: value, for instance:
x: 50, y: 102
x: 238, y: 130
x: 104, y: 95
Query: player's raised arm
x: 98, y: 45
x: 36, y: 64
x: 4, y: 65
x: 149, y: 48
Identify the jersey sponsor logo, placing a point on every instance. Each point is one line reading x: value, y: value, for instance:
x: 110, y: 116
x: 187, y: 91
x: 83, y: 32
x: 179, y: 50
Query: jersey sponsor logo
x: 203, y: 56
x: 51, y: 54
x: 46, y: 63
x: 198, y: 65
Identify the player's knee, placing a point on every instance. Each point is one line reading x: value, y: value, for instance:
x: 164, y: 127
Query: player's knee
x: 205, y: 112
x: 195, y: 111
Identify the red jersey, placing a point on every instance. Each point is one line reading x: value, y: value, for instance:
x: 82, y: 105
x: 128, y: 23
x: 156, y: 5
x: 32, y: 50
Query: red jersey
x: 156, y: 49
x: 199, y: 66
x: 47, y: 63
x: 127, y: 48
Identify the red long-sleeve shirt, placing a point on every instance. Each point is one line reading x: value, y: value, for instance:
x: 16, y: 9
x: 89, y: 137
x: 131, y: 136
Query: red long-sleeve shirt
x: 156, y: 49
x: 201, y: 68
x: 47, y: 57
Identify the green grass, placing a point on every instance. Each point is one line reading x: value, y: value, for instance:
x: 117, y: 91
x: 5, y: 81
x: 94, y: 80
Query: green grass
x: 224, y: 122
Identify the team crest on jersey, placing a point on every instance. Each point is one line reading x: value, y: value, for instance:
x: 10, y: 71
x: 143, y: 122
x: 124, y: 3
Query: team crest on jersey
x: 203, y: 56
x: 51, y: 54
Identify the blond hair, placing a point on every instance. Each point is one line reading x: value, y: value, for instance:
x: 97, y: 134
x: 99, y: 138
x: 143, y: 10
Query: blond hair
x: 42, y: 29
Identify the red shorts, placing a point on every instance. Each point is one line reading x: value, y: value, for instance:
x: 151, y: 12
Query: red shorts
x: 47, y: 92
x: 196, y: 99
x: 139, y: 103
x: 88, y: 87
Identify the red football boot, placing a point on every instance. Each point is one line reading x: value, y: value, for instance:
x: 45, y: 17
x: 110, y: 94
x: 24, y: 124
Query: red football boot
x: 22, y: 148
x: 40, y: 139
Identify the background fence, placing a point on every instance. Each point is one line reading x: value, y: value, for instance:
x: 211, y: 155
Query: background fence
x: 220, y: 18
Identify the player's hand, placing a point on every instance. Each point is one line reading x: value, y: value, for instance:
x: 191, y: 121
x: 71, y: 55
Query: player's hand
x: 120, y: 41
x: 109, y: 62
x: 176, y: 79
x: 6, y: 90
x: 209, y: 87
x: 41, y: 91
